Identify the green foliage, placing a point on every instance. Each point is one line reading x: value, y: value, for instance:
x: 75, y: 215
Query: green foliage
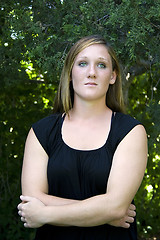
x: 20, y: 107
x: 34, y: 39
x: 147, y: 109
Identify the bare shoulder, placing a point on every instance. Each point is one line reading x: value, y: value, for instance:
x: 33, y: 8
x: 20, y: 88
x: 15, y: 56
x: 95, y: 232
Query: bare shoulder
x: 32, y: 144
x: 31, y: 135
x: 31, y: 138
x: 134, y: 147
x: 139, y: 129
x: 136, y: 135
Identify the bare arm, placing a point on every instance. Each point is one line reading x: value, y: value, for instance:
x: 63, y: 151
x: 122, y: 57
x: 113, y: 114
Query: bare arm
x: 127, y: 172
x: 34, y: 173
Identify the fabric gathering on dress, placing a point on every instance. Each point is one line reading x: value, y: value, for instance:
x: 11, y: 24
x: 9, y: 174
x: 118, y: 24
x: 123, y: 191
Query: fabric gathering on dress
x: 81, y: 174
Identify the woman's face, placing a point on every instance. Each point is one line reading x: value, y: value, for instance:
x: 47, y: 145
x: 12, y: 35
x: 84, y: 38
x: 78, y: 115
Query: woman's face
x: 92, y: 73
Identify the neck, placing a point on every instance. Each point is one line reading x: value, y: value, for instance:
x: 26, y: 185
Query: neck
x: 90, y: 109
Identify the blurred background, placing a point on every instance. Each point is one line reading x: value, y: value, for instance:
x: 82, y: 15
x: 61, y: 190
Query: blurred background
x: 35, y: 36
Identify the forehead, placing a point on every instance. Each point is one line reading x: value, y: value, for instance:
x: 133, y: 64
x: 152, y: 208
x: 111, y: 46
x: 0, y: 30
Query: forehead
x: 95, y: 51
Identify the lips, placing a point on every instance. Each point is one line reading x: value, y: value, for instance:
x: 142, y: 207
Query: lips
x: 91, y: 84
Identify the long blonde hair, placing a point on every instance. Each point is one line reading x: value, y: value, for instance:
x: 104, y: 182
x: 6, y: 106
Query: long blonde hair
x: 65, y: 94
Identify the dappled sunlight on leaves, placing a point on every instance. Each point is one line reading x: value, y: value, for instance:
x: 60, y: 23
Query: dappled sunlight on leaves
x: 35, y: 37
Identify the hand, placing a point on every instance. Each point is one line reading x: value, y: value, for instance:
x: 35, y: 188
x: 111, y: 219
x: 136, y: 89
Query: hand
x: 31, y: 212
x: 127, y: 219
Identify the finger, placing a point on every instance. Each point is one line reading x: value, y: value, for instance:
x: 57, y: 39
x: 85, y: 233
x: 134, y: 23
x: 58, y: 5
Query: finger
x: 132, y: 207
x: 26, y: 198
x: 20, y: 213
x: 20, y: 206
x: 131, y: 213
x: 23, y: 219
x: 129, y: 220
x: 126, y: 225
x: 26, y: 225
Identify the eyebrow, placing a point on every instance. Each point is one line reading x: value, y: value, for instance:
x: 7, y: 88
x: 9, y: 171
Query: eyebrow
x: 103, y: 59
x: 100, y: 58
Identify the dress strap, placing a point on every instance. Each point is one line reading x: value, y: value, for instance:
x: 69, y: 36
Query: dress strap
x: 62, y: 119
x: 113, y: 115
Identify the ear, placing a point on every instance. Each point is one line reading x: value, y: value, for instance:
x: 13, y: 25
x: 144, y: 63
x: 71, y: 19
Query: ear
x: 113, y: 77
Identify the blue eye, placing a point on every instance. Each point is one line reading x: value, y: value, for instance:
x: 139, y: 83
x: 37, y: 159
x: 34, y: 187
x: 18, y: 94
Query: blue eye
x: 101, y: 65
x: 82, y: 64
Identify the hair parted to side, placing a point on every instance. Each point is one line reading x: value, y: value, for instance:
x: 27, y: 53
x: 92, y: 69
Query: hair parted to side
x: 65, y: 94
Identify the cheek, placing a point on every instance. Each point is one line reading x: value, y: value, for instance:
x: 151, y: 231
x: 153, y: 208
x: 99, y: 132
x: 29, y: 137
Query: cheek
x: 75, y: 84
x: 105, y: 84
x: 77, y: 75
x: 75, y: 79
x: 106, y: 79
x: 74, y: 73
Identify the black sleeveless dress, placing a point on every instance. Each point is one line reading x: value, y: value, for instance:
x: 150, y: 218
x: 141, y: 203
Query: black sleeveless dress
x: 80, y: 174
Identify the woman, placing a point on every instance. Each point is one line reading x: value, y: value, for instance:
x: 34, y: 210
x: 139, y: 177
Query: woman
x: 82, y: 167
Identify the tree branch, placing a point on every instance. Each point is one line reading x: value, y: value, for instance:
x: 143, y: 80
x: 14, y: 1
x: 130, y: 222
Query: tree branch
x: 156, y: 26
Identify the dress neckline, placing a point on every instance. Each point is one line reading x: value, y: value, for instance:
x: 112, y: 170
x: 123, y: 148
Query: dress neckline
x: 86, y: 150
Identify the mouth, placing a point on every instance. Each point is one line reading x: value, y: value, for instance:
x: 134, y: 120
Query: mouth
x: 90, y: 84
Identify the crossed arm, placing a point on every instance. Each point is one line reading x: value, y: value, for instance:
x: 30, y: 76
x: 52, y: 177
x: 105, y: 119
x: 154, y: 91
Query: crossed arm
x: 114, y: 207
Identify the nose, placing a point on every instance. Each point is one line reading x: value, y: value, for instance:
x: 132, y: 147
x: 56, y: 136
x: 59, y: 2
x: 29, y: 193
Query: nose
x: 91, y: 71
